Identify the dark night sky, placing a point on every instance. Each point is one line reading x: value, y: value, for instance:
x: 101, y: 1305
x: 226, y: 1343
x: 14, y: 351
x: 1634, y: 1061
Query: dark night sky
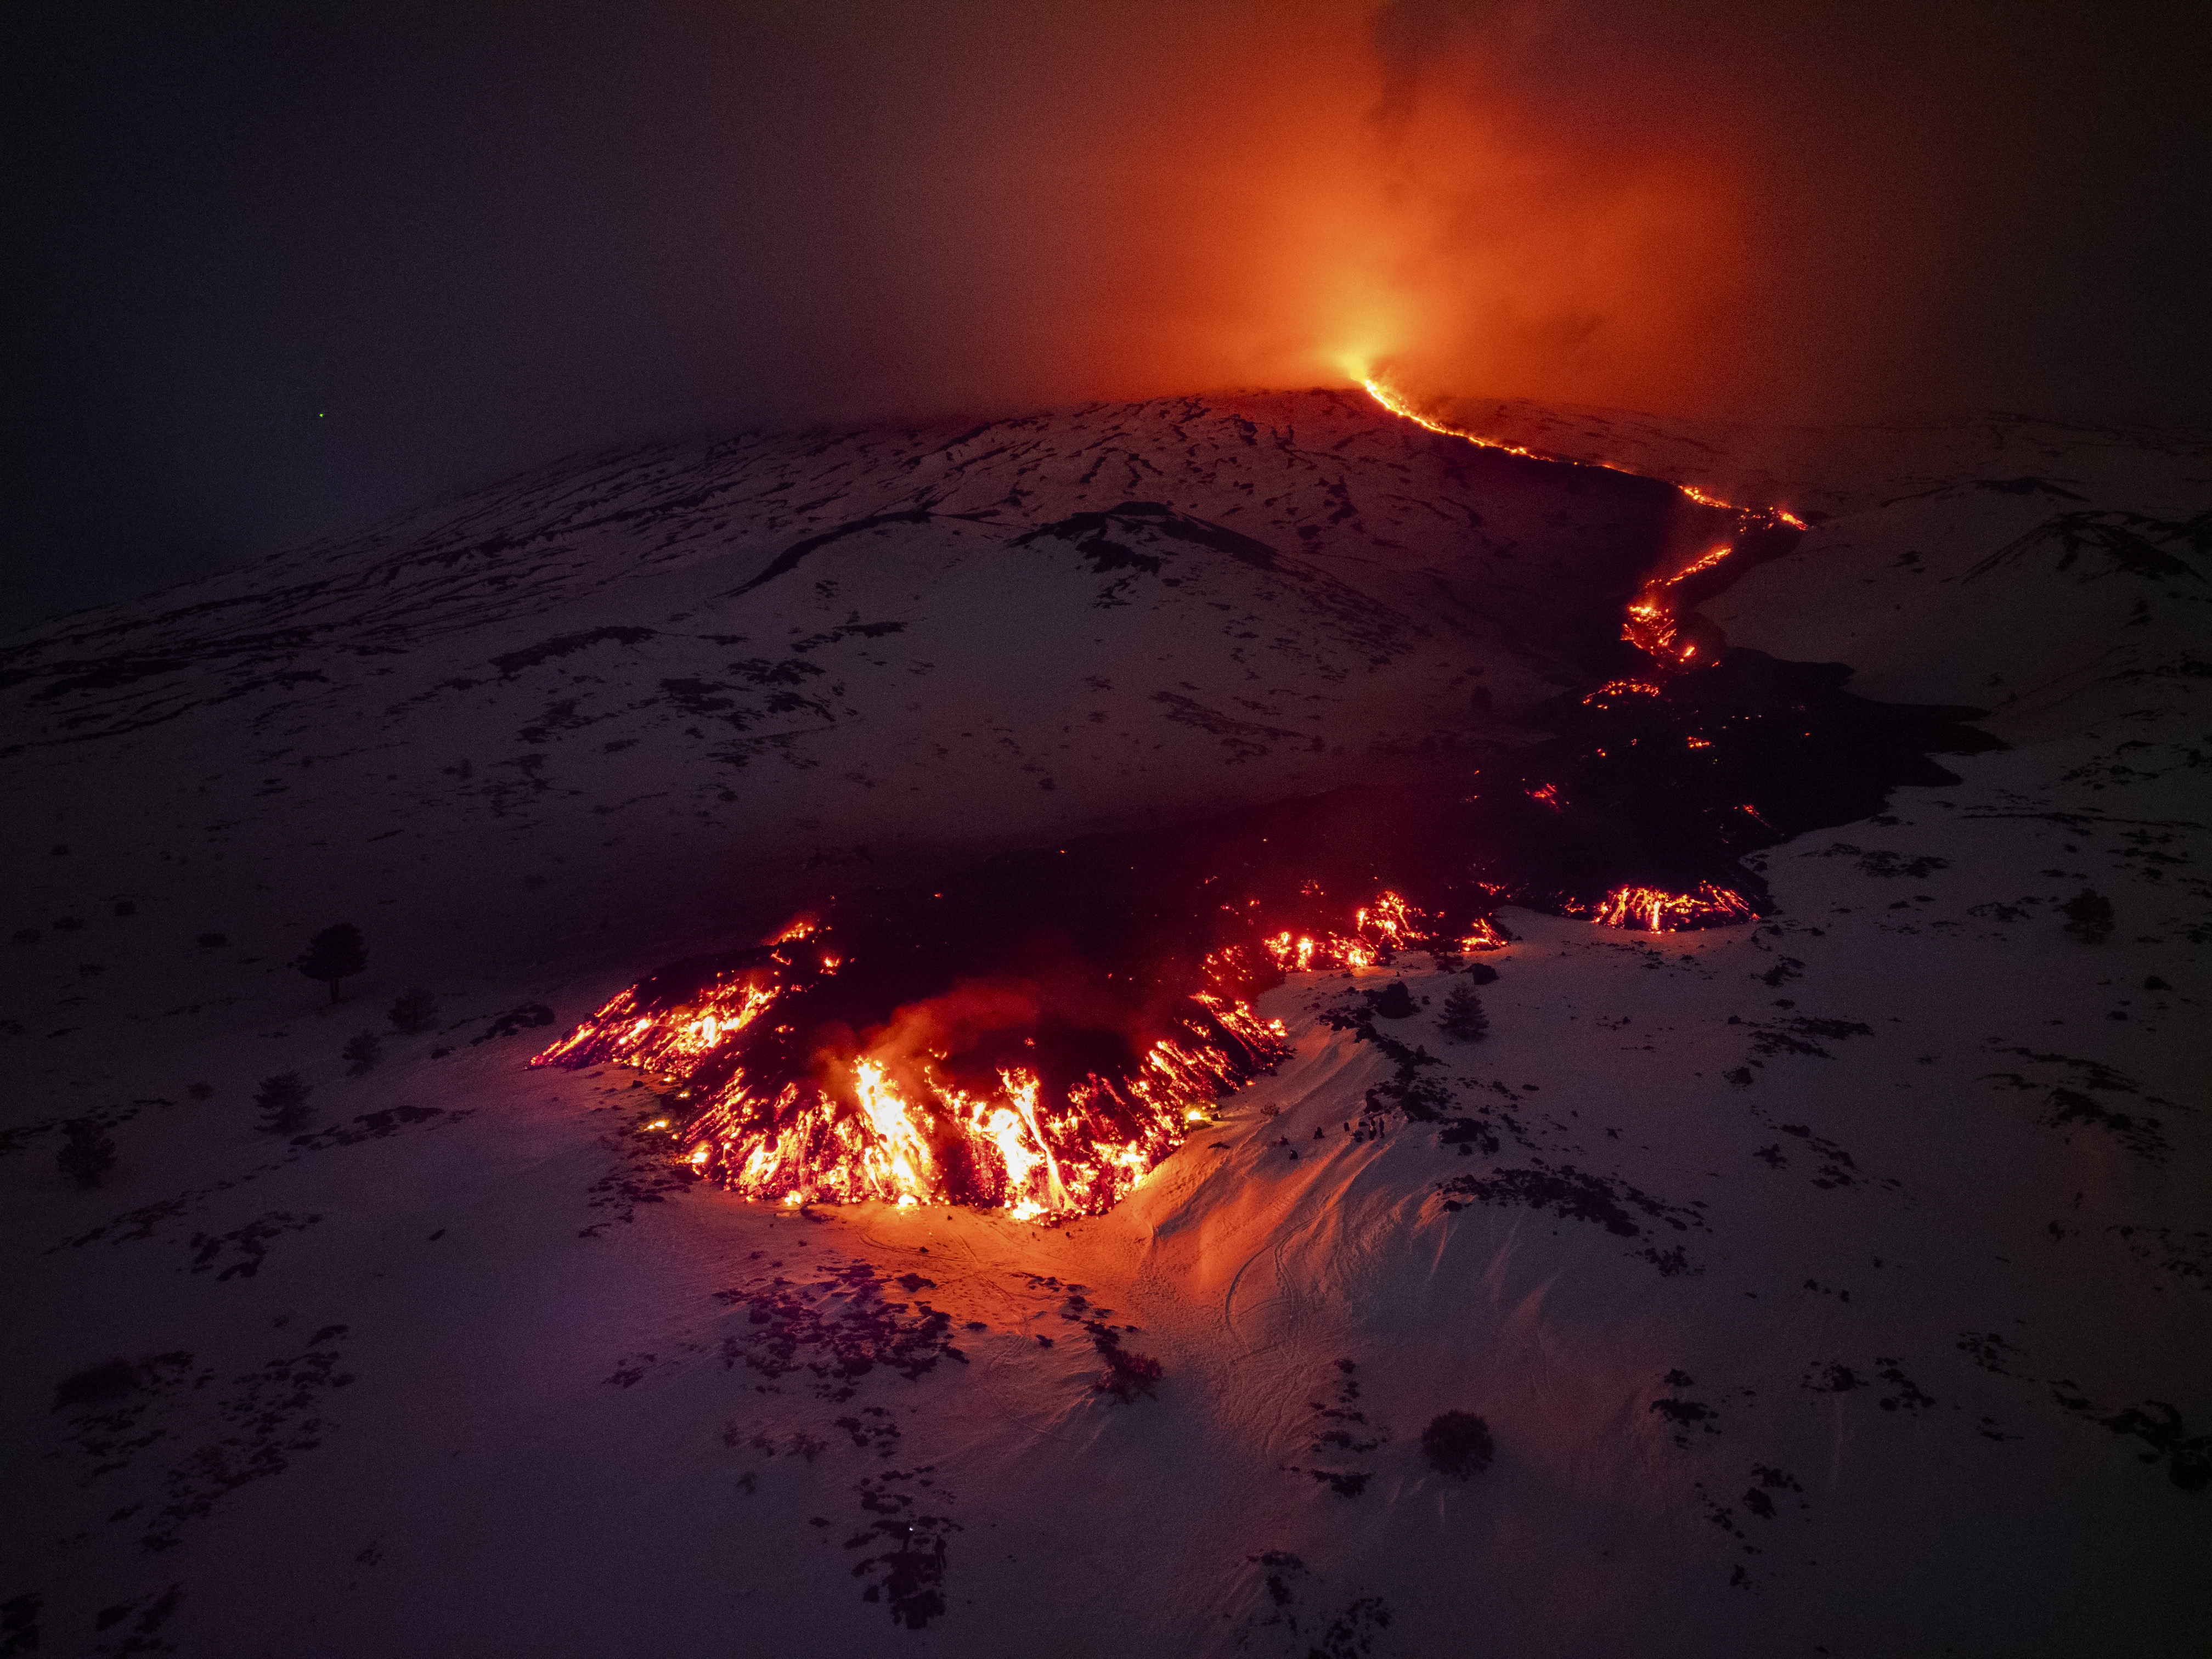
x: 281, y: 270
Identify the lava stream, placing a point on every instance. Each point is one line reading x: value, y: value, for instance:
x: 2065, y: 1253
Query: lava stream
x: 909, y: 1124
x: 1655, y: 623
x: 1035, y: 1035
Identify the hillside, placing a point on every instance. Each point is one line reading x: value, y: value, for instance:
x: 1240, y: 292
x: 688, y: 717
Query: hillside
x: 1835, y: 1282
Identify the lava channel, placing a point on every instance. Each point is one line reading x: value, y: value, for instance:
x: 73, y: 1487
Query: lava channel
x: 1032, y: 1035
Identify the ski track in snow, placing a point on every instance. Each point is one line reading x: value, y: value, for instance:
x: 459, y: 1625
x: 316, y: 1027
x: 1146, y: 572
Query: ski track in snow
x: 1838, y: 1283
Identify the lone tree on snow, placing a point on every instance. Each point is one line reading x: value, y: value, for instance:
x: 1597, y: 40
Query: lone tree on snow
x: 1464, y: 1020
x: 2088, y: 916
x: 283, y: 1103
x: 89, y: 1153
x: 415, y: 1011
x: 361, y: 1054
x: 334, y: 954
x: 1458, y: 1442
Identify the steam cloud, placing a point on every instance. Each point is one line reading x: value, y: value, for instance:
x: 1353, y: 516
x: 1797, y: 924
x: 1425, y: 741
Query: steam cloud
x: 293, y: 268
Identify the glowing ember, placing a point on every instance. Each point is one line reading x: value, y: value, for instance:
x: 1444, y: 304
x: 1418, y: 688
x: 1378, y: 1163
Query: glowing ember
x: 1657, y: 911
x: 1387, y: 925
x: 1483, y: 936
x: 1613, y: 689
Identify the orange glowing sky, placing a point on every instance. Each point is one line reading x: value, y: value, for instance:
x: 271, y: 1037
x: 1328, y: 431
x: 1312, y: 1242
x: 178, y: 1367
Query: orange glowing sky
x: 291, y: 269
x: 1258, y: 200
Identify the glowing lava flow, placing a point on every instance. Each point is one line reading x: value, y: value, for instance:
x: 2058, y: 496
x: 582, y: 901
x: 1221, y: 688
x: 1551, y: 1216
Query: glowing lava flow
x: 948, y: 1101
x: 1396, y: 403
x: 1655, y: 616
x: 1658, y: 911
x: 1655, y: 624
x: 906, y: 1134
x: 781, y: 1109
x: 1387, y: 925
x: 1033, y: 1035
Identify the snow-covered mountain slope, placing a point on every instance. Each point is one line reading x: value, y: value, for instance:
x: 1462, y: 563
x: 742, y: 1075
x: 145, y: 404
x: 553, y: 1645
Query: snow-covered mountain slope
x: 1834, y: 1284
x: 691, y: 676
x: 2047, y: 609
x: 1825, y: 470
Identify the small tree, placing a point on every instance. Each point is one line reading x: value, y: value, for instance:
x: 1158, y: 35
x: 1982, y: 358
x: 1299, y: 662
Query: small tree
x: 1464, y: 1020
x: 361, y: 1054
x: 2089, y: 916
x: 99, y: 1385
x: 283, y: 1103
x: 1128, y: 1374
x: 335, y: 953
x: 1458, y: 1442
x: 415, y: 1011
x: 87, y: 1153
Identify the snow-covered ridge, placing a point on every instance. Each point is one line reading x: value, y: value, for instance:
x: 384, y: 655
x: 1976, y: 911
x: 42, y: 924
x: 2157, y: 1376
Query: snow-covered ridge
x: 776, y: 654
x: 1835, y: 1283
